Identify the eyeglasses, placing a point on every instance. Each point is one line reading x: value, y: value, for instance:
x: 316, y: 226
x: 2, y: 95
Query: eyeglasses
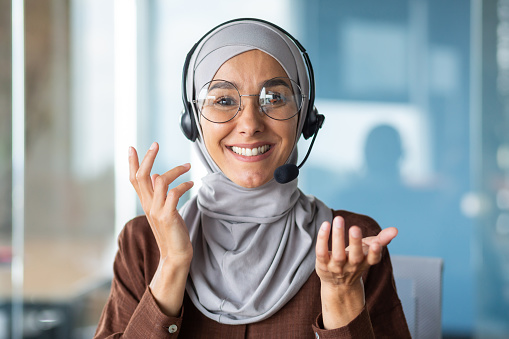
x: 219, y: 101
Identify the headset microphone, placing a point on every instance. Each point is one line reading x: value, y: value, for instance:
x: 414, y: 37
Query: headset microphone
x: 289, y: 172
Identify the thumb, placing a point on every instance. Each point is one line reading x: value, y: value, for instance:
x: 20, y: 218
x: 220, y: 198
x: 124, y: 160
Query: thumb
x: 386, y: 235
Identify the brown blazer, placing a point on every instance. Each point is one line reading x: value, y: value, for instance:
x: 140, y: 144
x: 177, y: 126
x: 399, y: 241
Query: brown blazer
x: 131, y: 310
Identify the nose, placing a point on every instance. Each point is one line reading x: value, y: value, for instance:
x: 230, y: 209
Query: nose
x: 250, y: 119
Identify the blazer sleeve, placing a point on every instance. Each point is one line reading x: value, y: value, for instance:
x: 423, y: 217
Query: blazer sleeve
x: 131, y: 311
x: 383, y: 315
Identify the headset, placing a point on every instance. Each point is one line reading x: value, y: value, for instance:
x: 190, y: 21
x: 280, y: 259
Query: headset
x: 314, y: 120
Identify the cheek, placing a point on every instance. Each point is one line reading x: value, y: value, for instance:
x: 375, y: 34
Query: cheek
x: 287, y: 134
x: 207, y: 130
x: 213, y: 134
x: 290, y: 135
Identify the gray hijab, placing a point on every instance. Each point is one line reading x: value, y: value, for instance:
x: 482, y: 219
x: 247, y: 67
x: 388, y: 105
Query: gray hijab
x: 253, y: 247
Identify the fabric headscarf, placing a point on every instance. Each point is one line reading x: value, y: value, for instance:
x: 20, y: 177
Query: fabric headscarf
x: 253, y: 248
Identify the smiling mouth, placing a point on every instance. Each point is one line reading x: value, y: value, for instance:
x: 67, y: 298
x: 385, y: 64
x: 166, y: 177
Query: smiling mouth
x: 250, y: 152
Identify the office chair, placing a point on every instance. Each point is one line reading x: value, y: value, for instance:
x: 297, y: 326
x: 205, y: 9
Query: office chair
x: 419, y: 285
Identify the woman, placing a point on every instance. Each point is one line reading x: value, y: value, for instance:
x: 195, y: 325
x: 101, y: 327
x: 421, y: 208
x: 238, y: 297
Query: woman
x: 248, y: 256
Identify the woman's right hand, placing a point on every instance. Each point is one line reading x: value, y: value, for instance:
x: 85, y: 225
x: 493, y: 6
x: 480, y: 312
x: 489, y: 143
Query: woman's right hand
x: 170, y: 231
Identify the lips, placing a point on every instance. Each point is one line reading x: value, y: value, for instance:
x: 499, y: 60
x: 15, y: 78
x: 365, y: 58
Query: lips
x: 250, y: 152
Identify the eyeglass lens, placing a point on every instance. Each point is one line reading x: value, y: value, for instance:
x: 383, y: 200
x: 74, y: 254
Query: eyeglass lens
x: 279, y: 98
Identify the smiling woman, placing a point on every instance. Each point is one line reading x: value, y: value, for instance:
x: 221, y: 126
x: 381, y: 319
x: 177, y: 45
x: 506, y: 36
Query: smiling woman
x: 251, y: 129
x: 247, y: 257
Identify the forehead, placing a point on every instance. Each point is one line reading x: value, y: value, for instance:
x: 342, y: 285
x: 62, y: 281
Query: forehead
x: 253, y: 66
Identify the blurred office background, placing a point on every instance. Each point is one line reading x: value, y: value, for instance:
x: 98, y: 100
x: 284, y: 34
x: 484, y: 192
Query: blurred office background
x: 416, y: 98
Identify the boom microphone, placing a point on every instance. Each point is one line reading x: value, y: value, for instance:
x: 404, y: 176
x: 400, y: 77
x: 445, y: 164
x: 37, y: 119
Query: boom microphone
x: 286, y: 173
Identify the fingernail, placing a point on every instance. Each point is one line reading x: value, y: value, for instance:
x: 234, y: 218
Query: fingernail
x: 130, y: 151
x: 337, y: 224
x: 355, y: 232
x: 187, y: 165
x: 325, y: 227
x: 153, y: 146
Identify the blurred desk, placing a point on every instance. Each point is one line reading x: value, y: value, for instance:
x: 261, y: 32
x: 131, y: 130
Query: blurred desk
x: 66, y: 283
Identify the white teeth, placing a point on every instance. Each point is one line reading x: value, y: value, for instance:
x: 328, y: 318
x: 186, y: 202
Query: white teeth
x: 249, y: 152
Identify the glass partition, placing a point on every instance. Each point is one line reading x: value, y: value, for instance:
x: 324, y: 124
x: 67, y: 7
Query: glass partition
x: 67, y: 238
x: 492, y: 170
x: 5, y: 166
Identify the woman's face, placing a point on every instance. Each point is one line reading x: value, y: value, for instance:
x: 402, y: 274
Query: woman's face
x: 250, y: 128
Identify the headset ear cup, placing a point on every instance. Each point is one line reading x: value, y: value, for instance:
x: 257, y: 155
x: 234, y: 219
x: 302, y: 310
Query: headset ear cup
x: 187, y: 124
x: 313, y: 123
x: 309, y: 127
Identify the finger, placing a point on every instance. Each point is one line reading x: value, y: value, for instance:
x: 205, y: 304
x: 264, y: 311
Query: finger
x: 368, y: 240
x: 175, y: 194
x: 133, y: 168
x: 355, y: 254
x: 322, y: 243
x: 386, y: 235
x: 338, y: 240
x: 143, y: 174
x: 161, y: 183
x: 374, y: 254
x: 175, y: 172
x: 160, y: 189
x: 154, y: 177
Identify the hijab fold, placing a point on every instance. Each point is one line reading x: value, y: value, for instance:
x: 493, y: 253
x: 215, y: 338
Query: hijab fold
x: 254, y: 248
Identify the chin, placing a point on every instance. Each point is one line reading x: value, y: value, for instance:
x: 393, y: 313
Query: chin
x: 251, y: 181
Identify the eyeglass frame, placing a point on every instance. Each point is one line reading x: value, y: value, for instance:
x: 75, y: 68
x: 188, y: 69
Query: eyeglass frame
x: 293, y: 82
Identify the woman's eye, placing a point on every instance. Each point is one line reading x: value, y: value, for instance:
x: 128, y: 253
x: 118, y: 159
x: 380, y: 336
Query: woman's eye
x: 274, y: 99
x: 226, y: 101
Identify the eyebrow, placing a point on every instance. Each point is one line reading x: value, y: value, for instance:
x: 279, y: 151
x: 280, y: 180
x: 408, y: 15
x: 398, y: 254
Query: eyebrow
x: 222, y: 84
x: 277, y: 82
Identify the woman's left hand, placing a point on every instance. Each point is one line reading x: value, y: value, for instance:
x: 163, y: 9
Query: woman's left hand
x: 340, y: 270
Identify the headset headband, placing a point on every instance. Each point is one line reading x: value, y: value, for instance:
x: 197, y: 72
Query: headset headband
x: 188, y: 124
